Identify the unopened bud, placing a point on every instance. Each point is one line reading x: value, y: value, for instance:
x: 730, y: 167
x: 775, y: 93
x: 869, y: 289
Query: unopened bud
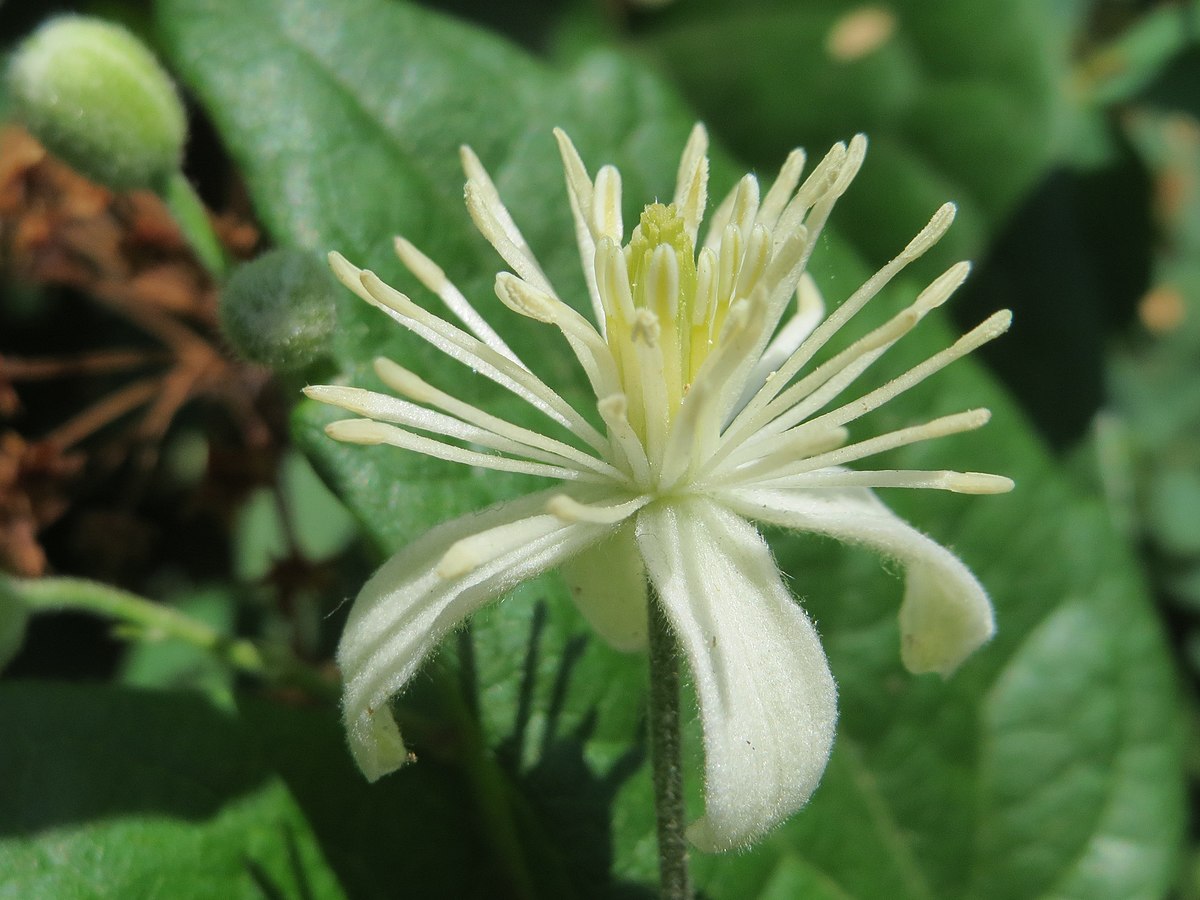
x: 96, y: 97
x: 279, y: 310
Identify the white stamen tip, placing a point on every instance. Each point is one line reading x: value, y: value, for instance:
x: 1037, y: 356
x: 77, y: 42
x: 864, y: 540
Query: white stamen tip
x: 932, y: 232
x: 333, y: 394
x: 346, y: 272
x: 460, y: 559
x: 606, y: 210
x: 401, y: 380
x: 614, y: 408
x: 358, y: 431
x: 471, y: 165
x: 427, y: 271
x: 645, y: 328
x: 979, y: 483
x: 941, y: 289
x: 570, y: 510
x: 998, y: 323
x: 976, y: 418
x: 523, y: 298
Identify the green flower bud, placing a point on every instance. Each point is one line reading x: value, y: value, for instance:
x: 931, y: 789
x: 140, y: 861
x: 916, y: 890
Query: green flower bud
x: 279, y: 310
x: 95, y: 96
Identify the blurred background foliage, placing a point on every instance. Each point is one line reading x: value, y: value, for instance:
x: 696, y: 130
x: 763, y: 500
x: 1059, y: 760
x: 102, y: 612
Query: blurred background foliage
x: 136, y: 451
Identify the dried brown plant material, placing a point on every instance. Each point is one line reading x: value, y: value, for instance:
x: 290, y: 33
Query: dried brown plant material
x: 860, y: 33
x: 1162, y: 309
x: 35, y: 480
x: 124, y: 252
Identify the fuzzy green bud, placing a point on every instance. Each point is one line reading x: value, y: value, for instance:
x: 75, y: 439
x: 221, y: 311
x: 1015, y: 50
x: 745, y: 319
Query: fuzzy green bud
x: 279, y: 310
x: 96, y: 97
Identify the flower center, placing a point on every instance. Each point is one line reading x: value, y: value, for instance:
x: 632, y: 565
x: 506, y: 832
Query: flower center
x: 661, y: 321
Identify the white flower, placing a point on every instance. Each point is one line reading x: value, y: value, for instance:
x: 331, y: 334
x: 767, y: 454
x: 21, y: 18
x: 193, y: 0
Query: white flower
x: 710, y: 418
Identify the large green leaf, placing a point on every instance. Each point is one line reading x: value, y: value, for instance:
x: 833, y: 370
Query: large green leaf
x: 961, y: 101
x: 1048, y: 766
x: 114, y: 792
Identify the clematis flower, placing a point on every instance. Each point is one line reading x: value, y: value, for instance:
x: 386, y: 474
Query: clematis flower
x: 710, y: 412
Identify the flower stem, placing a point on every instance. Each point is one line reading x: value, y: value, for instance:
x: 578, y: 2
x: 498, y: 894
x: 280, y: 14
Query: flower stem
x: 144, y: 619
x: 193, y: 221
x: 666, y: 755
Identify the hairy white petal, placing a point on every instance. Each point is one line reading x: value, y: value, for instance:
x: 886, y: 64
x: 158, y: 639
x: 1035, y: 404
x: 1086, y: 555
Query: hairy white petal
x: 945, y: 615
x: 767, y: 699
x: 405, y: 610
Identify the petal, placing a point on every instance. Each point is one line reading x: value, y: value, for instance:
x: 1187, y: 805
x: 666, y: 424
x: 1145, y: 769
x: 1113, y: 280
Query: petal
x: 946, y: 614
x: 767, y: 699
x: 608, y: 584
x: 425, y: 591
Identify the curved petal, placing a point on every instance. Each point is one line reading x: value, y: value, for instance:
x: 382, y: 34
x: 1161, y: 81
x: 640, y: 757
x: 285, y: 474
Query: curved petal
x: 945, y: 615
x: 608, y: 584
x: 767, y: 700
x: 425, y: 591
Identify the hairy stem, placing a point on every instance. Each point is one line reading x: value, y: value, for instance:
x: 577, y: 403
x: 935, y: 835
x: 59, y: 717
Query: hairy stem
x: 666, y: 753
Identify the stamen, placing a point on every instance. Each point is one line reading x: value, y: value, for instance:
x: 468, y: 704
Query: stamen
x: 588, y: 346
x: 579, y: 183
x: 828, y: 380
x: 368, y: 431
x: 787, y: 449
x: 660, y: 283
x: 490, y: 217
x: 468, y: 350
x: 580, y: 192
x: 990, y: 329
x: 383, y: 408
x: 570, y: 510
x: 745, y: 204
x: 524, y: 299
x: 488, y: 203
x: 725, y: 212
x: 781, y: 191
x: 606, y: 205
x: 722, y: 377
x: 408, y: 384
x: 705, y: 301
x: 928, y: 236
x: 730, y: 259
x: 810, y: 309
x: 470, y: 553
x: 754, y: 262
x: 612, y: 278
x: 955, y: 482
x: 434, y: 278
x: 614, y: 411
x: 935, y: 428
x: 818, y: 182
x: 691, y: 181
x: 644, y: 336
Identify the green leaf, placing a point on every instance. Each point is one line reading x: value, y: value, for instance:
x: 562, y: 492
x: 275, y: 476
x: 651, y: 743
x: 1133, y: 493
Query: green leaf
x: 961, y: 101
x: 1048, y: 766
x: 151, y: 663
x: 112, y: 792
